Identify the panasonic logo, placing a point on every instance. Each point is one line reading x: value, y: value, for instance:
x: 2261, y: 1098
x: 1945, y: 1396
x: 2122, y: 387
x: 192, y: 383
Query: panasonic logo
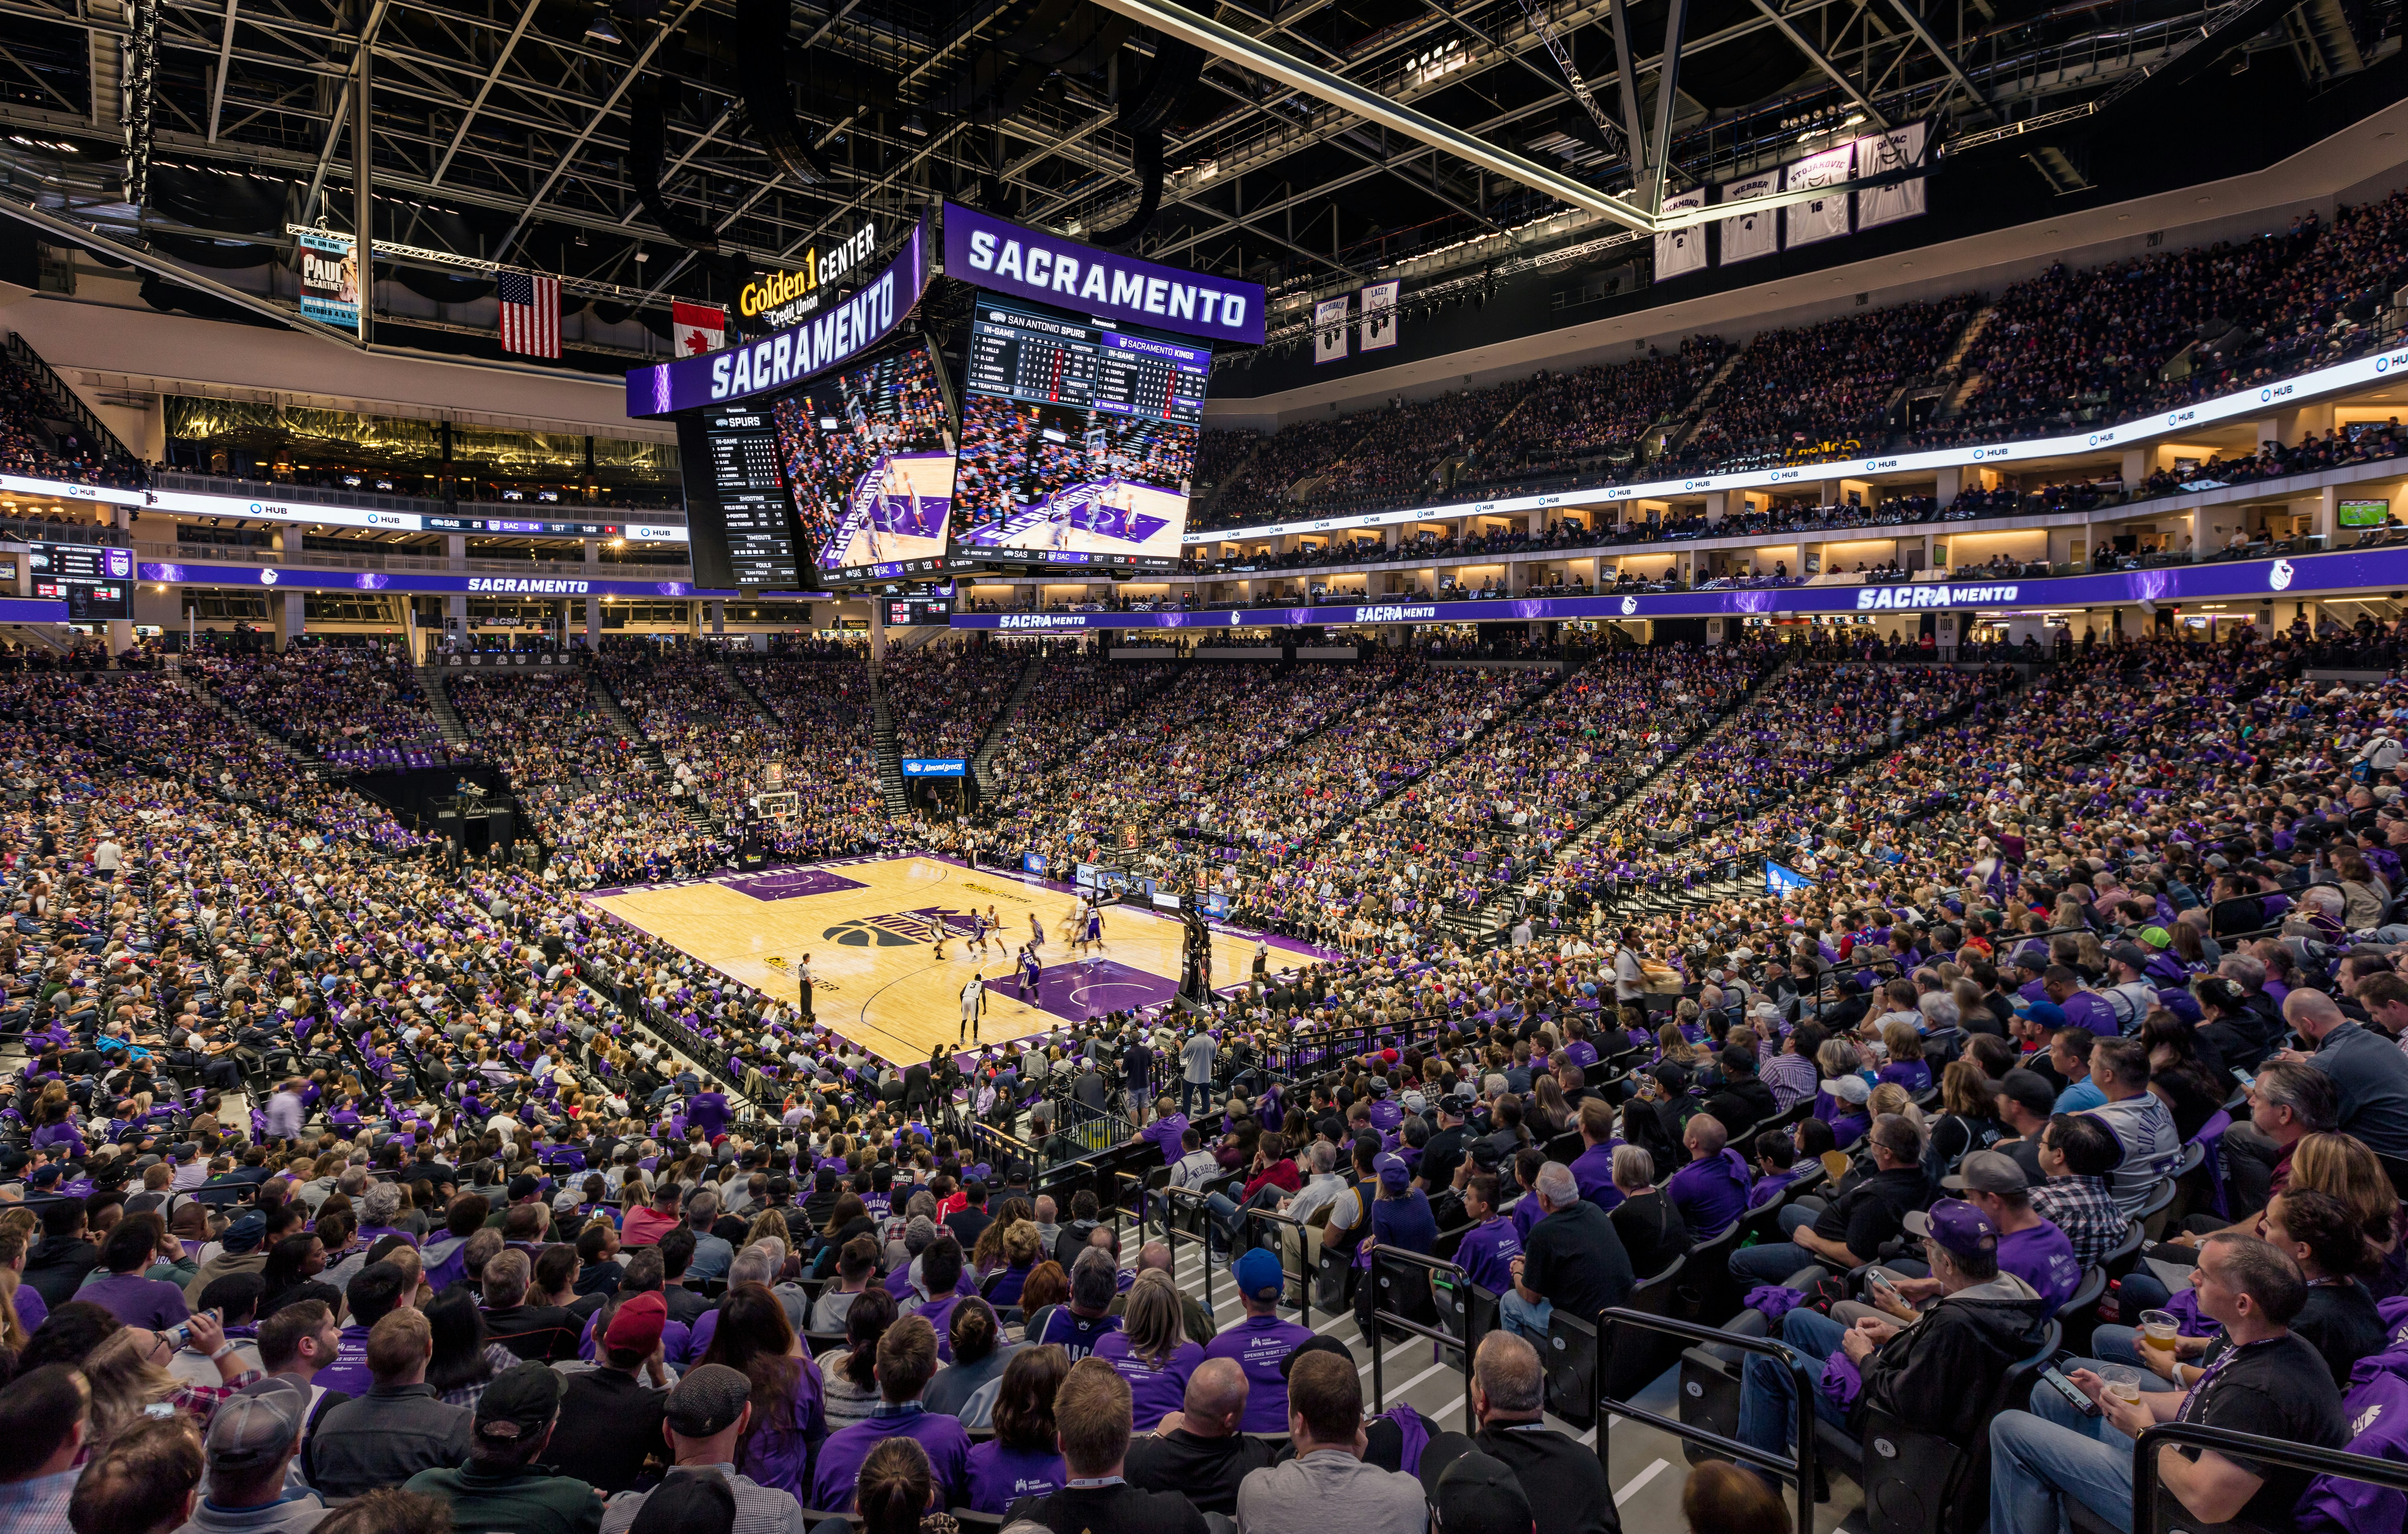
x: 1044, y: 619
x: 1393, y: 614
x: 1884, y: 598
x: 522, y: 586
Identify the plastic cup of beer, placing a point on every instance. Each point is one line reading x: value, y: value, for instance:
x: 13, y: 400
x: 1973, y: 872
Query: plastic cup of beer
x: 2123, y: 1381
x: 2159, y: 1329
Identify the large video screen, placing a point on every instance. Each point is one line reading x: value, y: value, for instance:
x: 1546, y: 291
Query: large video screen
x: 868, y: 455
x: 1077, y: 441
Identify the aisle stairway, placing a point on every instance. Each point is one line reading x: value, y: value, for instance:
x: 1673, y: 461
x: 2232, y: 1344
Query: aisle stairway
x: 992, y: 741
x: 439, y: 706
x: 882, y: 740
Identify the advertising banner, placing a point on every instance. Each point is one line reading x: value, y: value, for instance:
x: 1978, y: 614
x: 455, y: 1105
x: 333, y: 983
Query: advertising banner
x: 1005, y: 257
x: 330, y: 278
x: 2170, y: 584
x: 274, y: 578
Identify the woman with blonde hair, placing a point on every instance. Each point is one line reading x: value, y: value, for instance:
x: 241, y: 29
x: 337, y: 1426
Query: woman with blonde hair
x: 1152, y: 1351
x: 128, y: 1375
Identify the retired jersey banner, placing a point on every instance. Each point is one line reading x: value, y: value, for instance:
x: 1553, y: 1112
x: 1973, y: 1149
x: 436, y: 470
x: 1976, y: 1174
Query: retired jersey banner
x: 1882, y: 154
x: 1329, y: 330
x: 1683, y: 251
x: 1380, y: 315
x: 1747, y: 236
x: 1824, y: 218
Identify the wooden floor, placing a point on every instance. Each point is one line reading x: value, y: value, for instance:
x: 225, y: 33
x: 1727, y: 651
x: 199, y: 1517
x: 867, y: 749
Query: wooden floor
x: 869, y: 929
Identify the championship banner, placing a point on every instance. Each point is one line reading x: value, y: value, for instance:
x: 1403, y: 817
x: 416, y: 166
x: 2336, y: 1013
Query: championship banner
x: 1380, y: 315
x: 330, y: 278
x: 1900, y: 148
x: 1825, y: 217
x: 1683, y: 251
x: 1329, y: 330
x: 1748, y: 235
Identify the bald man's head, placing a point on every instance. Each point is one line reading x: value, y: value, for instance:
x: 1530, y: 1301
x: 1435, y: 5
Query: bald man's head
x: 1153, y: 1254
x: 2313, y: 1012
x: 1216, y: 1399
x: 1507, y: 1376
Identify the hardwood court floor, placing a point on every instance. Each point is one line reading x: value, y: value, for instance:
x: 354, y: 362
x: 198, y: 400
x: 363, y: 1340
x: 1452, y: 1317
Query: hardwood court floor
x: 868, y: 928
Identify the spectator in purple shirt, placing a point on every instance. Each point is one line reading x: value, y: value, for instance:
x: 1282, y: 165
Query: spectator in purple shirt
x: 907, y: 1361
x: 1167, y: 1131
x: 119, y: 1287
x: 1712, y: 1190
x: 941, y: 1275
x: 1152, y: 1351
x: 789, y: 1401
x: 1023, y: 1459
x: 1260, y: 1342
x: 1593, y: 1168
x: 1487, y: 1250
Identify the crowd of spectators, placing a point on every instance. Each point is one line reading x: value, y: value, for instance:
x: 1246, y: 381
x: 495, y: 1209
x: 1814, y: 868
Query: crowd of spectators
x: 37, y: 442
x: 453, y: 1183
x: 940, y: 697
x: 359, y: 706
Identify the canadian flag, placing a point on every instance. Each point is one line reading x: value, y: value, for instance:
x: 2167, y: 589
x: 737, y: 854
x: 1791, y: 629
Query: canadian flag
x: 696, y: 327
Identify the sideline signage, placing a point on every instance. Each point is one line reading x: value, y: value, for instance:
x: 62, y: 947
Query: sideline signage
x: 275, y: 576
x: 2291, y: 577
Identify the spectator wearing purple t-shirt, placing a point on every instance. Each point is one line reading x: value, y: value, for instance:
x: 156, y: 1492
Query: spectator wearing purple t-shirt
x: 2083, y: 1009
x: 1593, y: 1168
x: 1022, y: 1460
x: 118, y: 1285
x: 1262, y: 1341
x: 1487, y: 1250
x: 1168, y: 1129
x: 907, y: 1361
x: 1712, y: 1190
x: 1151, y: 1350
x: 2029, y: 1245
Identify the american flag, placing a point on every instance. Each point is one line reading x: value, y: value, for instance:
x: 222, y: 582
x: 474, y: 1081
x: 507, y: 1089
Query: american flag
x: 530, y: 313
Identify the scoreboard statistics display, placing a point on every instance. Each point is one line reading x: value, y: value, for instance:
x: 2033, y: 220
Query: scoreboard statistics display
x: 918, y: 612
x: 740, y: 522
x: 1077, y: 439
x: 97, y: 582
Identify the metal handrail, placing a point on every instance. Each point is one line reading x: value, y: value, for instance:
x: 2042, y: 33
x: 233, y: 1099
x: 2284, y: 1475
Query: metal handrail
x: 1800, y: 1468
x: 1461, y: 1342
x: 2298, y: 1456
x: 1174, y: 1234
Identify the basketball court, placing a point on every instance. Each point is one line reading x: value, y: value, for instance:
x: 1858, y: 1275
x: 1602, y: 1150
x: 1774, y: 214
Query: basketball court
x: 870, y: 925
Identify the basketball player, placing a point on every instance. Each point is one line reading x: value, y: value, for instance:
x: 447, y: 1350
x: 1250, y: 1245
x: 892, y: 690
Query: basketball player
x: 1030, y: 972
x: 1035, y: 930
x: 973, y: 1003
x: 977, y: 931
x: 1094, y: 931
x: 942, y: 929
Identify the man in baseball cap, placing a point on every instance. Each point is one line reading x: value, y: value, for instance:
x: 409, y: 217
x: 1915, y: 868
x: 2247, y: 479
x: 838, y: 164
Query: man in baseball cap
x: 1940, y: 1369
x: 1262, y: 1341
x: 252, y: 1438
x: 2029, y: 1245
x: 610, y: 1414
x: 703, y: 1421
x: 502, y: 1486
